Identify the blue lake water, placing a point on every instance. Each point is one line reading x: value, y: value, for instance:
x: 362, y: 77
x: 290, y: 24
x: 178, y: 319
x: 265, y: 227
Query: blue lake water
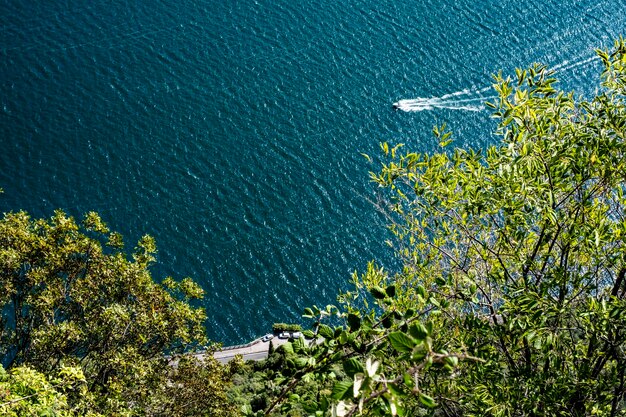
x: 232, y: 130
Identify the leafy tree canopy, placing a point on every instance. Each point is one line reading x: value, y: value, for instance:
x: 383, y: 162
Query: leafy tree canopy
x: 26, y: 392
x: 512, y: 296
x: 70, y: 302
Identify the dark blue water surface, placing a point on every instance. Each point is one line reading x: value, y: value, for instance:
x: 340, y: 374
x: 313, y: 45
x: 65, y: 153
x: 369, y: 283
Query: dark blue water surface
x: 232, y: 130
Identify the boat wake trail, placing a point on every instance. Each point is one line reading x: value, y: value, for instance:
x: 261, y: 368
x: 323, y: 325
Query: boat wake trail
x: 473, y: 100
x: 567, y: 66
x: 468, y: 100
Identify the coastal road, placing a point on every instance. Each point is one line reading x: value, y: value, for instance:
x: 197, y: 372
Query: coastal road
x: 252, y: 356
x: 253, y: 351
x: 256, y: 350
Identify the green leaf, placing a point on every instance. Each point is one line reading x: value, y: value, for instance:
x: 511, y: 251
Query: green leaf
x: 354, y: 321
x: 418, y: 331
x: 287, y: 347
x: 408, y: 380
x: 337, y: 332
x: 342, y: 390
x: 452, y: 360
x: 310, y: 406
x: 325, y: 331
x: 421, y: 291
x: 299, y: 345
x: 353, y: 366
x: 427, y: 401
x: 396, y: 390
x: 401, y: 342
x: 391, y: 290
x: 301, y: 362
x: 445, y: 143
x: 378, y: 292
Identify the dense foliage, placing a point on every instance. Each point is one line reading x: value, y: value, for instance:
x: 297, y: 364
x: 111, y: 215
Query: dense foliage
x: 26, y: 392
x: 512, y: 296
x: 285, y: 327
x: 258, y: 385
x: 71, y: 303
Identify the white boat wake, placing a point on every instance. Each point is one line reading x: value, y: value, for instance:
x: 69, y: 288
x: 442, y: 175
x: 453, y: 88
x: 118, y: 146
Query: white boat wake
x: 471, y: 100
x: 450, y: 101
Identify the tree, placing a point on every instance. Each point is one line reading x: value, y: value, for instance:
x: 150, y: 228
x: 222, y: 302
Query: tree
x: 69, y: 301
x: 512, y: 296
x: 196, y: 387
x: 26, y: 392
x: 256, y: 384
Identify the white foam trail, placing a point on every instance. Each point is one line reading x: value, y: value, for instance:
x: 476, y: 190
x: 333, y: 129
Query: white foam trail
x: 465, y: 92
x: 451, y: 102
x: 433, y: 101
x: 415, y: 108
x: 566, y: 65
x: 447, y: 101
x: 557, y: 67
x: 421, y: 105
x: 467, y: 108
x: 466, y: 100
x: 442, y: 106
x: 458, y: 93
